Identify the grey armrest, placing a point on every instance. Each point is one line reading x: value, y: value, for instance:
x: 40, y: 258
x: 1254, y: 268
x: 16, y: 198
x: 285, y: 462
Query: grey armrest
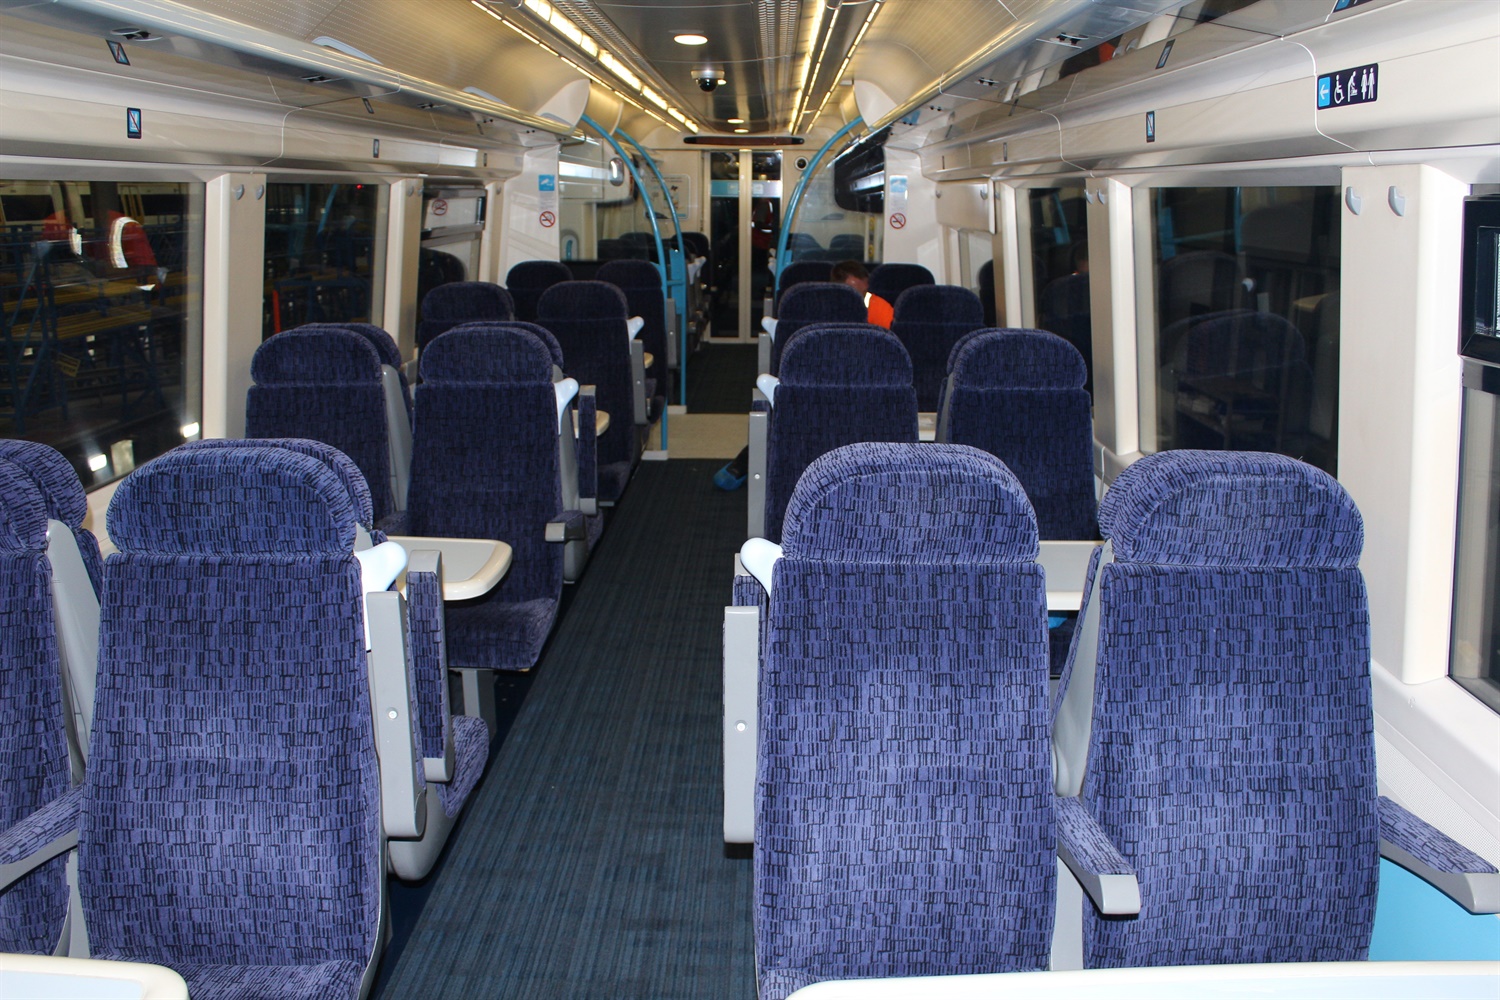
x: 1437, y: 859
x: 398, y: 434
x: 638, y: 381
x: 945, y: 415
x: 75, y: 610
x: 755, y: 481
x: 420, y: 563
x: 763, y: 352
x: 38, y: 838
x: 741, y: 707
x: 402, y: 791
x: 1094, y: 860
x: 570, y: 528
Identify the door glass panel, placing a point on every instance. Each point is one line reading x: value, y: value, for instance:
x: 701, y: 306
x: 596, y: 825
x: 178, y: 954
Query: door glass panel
x: 1060, y: 267
x: 320, y: 254
x: 1476, y: 595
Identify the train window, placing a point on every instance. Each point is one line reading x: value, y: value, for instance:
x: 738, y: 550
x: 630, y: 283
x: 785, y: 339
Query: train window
x: 976, y: 268
x: 832, y: 227
x: 1245, y: 342
x: 321, y: 260
x: 99, y: 285
x: 1057, y: 221
x: 1475, y: 659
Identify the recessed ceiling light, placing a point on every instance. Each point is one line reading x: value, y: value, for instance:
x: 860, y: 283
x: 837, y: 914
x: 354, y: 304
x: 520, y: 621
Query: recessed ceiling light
x: 742, y: 130
x: 736, y: 121
x: 689, y: 38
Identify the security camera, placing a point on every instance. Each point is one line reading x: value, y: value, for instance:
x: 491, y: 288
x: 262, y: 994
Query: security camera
x: 708, y: 79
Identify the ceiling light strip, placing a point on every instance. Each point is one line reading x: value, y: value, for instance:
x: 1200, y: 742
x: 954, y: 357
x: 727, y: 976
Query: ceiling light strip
x: 807, y: 64
x: 843, y: 67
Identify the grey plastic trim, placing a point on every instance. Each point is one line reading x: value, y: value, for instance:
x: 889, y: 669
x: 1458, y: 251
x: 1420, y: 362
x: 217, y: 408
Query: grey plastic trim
x: 1477, y: 892
x: 1075, y: 716
x: 174, y: 18
x: 763, y: 353
x: 1113, y: 895
x: 398, y: 434
x: 413, y: 859
x: 478, y: 686
x: 944, y: 417
x: 401, y: 793
x: 741, y: 724
x: 638, y: 381
x: 75, y: 939
x: 75, y: 612
x: 755, y: 472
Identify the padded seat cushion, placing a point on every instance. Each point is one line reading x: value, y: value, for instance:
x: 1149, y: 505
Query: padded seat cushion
x: 471, y: 750
x: 335, y: 460
x: 613, y: 479
x: 257, y: 982
x: 493, y: 635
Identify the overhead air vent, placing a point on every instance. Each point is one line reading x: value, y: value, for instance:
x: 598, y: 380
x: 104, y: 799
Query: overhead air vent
x: 317, y: 78
x: 134, y: 34
x: 429, y: 106
x: 744, y: 141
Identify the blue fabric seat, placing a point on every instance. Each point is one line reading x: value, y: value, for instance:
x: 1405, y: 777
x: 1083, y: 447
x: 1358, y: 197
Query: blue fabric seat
x: 809, y: 302
x: 1230, y: 748
x: 527, y: 281
x: 889, y: 280
x: 798, y: 271
x: 929, y: 321
x: 385, y: 346
x: 34, y: 764
x: 328, y: 383
x: 840, y: 384
x: 645, y: 296
x: 230, y: 825
x: 458, y: 302
x: 1064, y: 309
x: 63, y: 494
x: 1018, y: 394
x: 904, y: 813
x: 589, y: 318
x: 487, y: 465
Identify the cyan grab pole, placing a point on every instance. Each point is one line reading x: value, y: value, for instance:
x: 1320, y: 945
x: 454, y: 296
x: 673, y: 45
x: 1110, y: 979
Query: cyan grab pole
x: 796, y: 202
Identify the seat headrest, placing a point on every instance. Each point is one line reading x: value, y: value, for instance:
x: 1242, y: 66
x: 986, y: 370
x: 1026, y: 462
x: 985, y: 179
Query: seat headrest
x: 631, y: 273
x: 54, y: 476
x: 554, y: 349
x: 1016, y: 359
x: 574, y: 300
x: 890, y: 280
x: 821, y: 302
x: 487, y: 353
x: 233, y: 501
x: 460, y: 301
x: 328, y: 354
x: 909, y: 503
x: 23, y: 510
x: 1225, y: 508
x: 950, y: 305
x: 846, y: 354
x: 800, y: 271
x: 384, y: 343
x: 342, y: 465
x: 538, y: 272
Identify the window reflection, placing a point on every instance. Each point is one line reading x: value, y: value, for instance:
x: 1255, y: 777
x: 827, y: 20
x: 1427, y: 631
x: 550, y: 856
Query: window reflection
x: 1060, y: 267
x: 1246, y: 334
x: 320, y: 254
x: 94, y: 312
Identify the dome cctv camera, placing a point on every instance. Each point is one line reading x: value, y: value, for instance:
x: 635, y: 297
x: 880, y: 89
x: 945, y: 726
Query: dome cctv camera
x: 708, y: 79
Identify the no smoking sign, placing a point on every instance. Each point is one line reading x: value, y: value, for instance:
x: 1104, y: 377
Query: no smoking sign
x: 548, y: 220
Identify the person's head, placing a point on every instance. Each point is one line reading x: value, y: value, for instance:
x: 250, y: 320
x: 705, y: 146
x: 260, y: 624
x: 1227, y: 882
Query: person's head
x: 1081, y: 258
x: 853, y: 274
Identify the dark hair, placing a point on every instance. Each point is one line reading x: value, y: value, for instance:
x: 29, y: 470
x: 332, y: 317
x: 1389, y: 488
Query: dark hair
x: 849, y: 269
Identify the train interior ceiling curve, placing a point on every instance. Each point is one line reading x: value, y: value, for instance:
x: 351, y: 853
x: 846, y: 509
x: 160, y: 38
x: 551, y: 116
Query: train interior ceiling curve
x: 1110, y: 170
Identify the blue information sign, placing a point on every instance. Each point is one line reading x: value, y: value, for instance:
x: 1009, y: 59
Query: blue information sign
x: 1349, y: 86
x: 1346, y: 4
x: 132, y: 123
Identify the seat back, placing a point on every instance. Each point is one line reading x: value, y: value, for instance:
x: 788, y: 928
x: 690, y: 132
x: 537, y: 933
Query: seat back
x: 1231, y: 754
x: 798, y: 271
x: 840, y: 384
x: 889, y: 280
x: 588, y: 318
x: 810, y: 302
x: 34, y: 763
x: 929, y: 320
x: 904, y: 819
x: 329, y: 384
x: 233, y: 814
x: 527, y: 281
x: 486, y: 460
x: 1018, y: 394
x: 1064, y: 309
x: 76, y: 572
x: 645, y: 296
x: 385, y: 346
x: 447, y: 306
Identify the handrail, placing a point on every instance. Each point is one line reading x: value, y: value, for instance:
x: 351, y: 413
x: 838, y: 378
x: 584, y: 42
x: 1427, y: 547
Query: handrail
x: 796, y: 200
x: 650, y: 217
x: 676, y: 277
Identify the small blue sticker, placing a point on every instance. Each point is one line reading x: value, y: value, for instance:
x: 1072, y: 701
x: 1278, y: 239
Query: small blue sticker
x: 118, y: 51
x: 1166, y: 53
x: 898, y: 185
x: 1346, y: 4
x: 1359, y: 85
x: 546, y: 182
x: 132, y: 123
x: 1150, y: 126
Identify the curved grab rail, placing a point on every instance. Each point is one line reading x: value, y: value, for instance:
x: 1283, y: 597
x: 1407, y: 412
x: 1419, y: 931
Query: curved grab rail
x: 796, y: 202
